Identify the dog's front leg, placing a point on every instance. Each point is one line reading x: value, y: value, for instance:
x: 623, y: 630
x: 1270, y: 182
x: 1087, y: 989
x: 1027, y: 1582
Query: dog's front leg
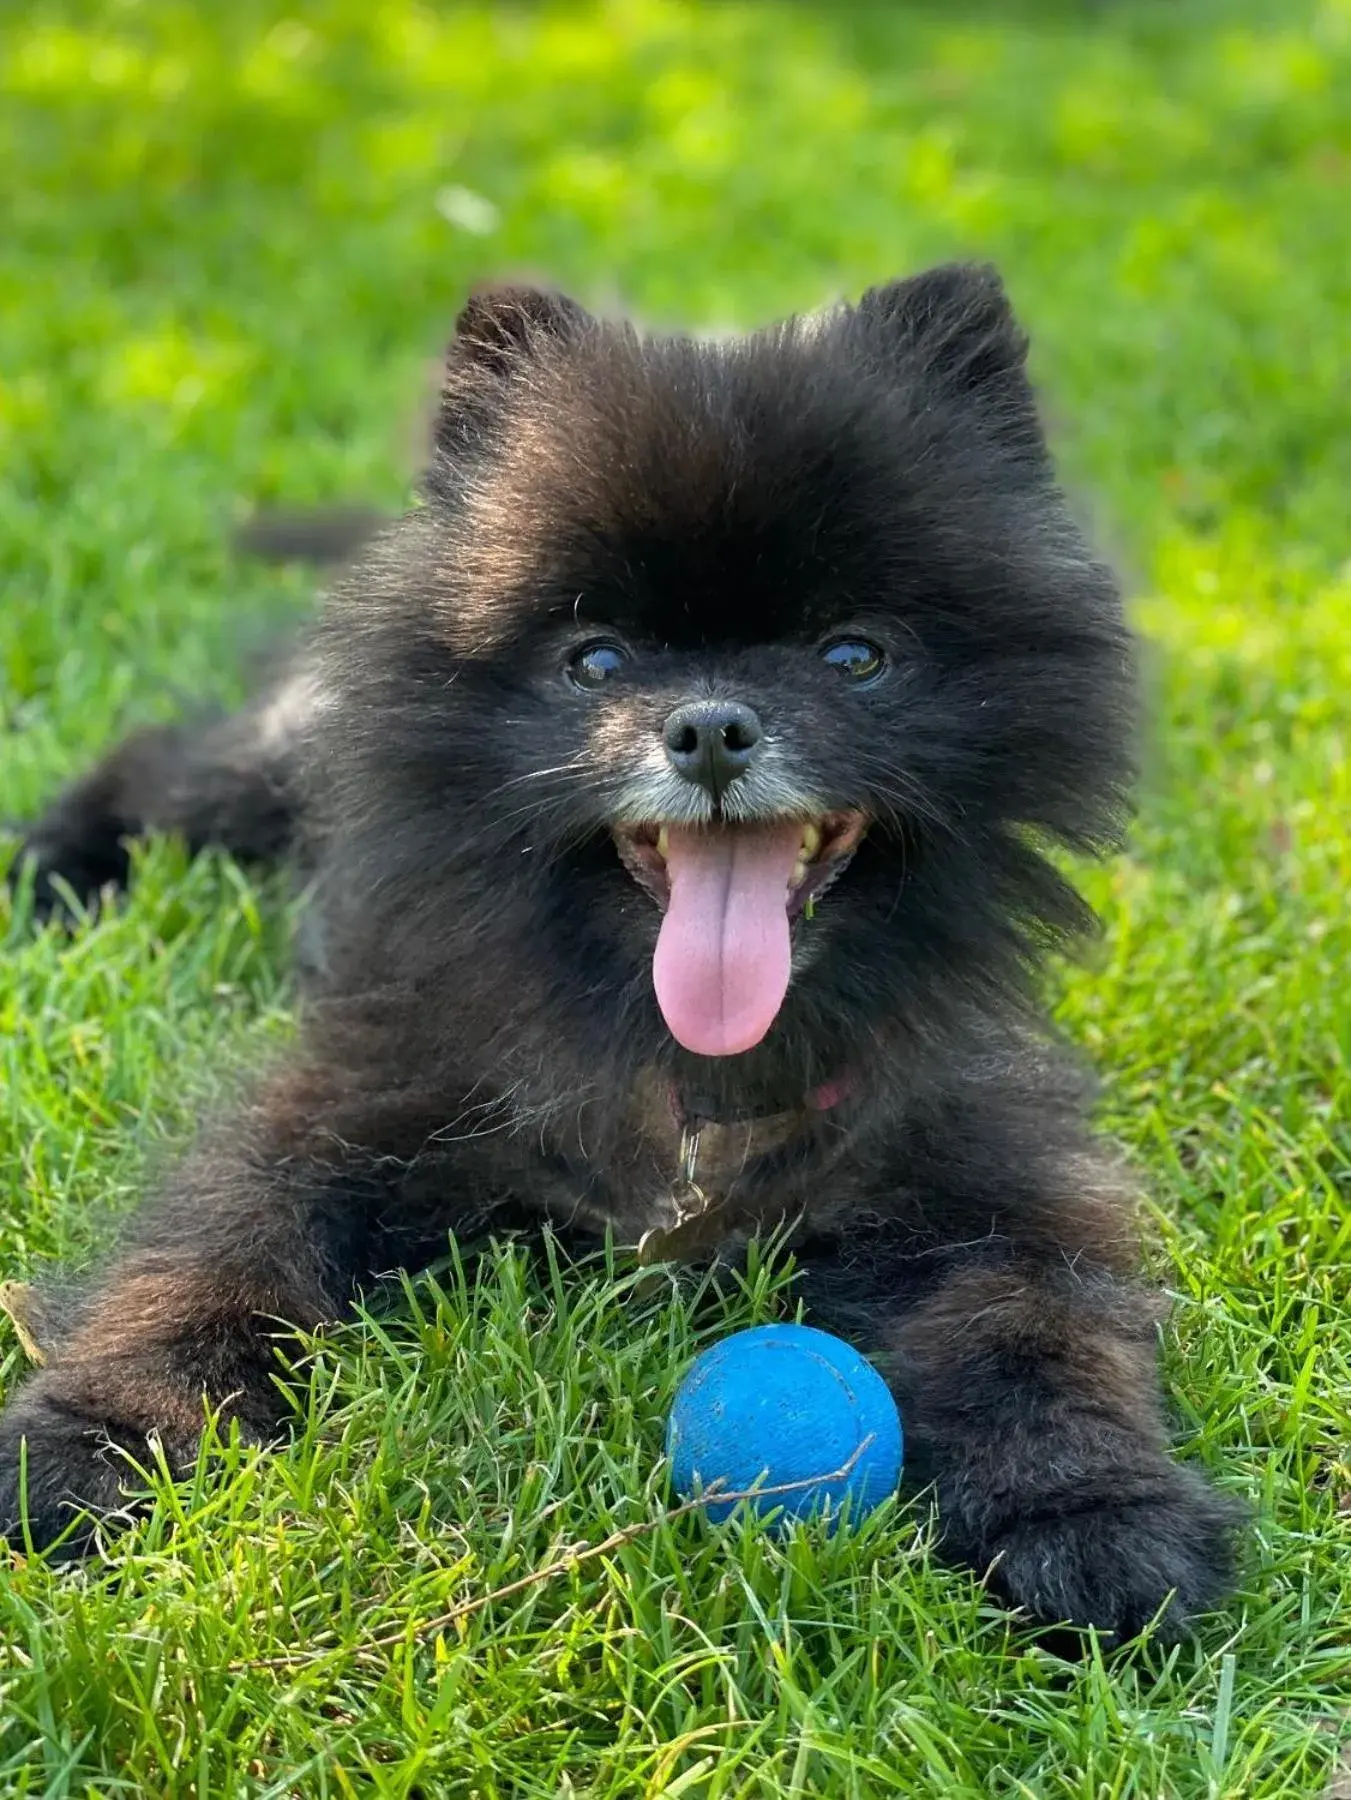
x: 272, y: 1222
x: 1031, y: 1401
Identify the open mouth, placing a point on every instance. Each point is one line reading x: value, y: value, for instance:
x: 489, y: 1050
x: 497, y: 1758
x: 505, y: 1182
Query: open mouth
x: 823, y: 848
x: 730, y: 894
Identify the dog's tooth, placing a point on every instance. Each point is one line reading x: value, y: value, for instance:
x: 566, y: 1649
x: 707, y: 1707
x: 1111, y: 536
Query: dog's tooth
x: 663, y: 840
x: 811, y: 841
x: 799, y: 874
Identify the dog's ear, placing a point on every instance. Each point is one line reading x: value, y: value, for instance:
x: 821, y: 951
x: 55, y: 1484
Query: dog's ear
x: 499, y: 327
x: 500, y: 331
x: 954, y: 323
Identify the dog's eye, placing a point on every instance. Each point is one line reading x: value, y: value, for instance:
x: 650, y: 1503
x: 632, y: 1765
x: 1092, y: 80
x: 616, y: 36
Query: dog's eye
x: 594, y: 664
x: 856, y: 659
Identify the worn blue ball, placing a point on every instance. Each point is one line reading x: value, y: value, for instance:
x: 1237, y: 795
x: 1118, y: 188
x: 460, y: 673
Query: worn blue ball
x: 780, y: 1404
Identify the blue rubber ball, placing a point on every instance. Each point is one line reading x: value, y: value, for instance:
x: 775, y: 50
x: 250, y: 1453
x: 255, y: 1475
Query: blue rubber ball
x: 783, y: 1403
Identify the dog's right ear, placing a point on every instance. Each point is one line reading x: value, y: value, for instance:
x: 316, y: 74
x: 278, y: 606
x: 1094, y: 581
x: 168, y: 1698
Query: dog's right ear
x: 953, y: 326
x: 957, y: 317
x: 499, y: 333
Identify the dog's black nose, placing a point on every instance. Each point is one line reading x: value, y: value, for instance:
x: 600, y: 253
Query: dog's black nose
x: 712, y: 742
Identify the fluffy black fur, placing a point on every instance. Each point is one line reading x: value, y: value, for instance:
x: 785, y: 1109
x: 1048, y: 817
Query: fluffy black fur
x: 483, y: 1047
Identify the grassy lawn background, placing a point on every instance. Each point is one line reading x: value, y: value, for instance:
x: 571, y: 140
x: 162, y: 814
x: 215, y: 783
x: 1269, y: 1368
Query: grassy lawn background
x: 231, y: 237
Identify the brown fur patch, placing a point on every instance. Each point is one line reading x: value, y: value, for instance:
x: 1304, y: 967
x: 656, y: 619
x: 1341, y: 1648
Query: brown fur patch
x: 150, y: 1309
x: 1086, y: 1328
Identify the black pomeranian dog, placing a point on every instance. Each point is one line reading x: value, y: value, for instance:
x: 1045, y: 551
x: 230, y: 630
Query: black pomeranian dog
x: 675, y: 781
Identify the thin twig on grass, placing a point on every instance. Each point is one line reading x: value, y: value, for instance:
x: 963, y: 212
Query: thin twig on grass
x: 714, y: 1492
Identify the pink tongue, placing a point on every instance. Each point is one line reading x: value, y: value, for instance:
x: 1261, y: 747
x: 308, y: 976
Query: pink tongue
x: 724, y: 954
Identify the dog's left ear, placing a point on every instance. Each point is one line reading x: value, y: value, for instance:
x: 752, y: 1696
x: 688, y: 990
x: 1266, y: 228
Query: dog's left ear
x: 501, y: 327
x: 955, y: 323
x: 500, y: 332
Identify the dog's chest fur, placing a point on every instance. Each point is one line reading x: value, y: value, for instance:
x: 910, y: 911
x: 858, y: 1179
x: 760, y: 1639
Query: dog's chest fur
x: 653, y: 1166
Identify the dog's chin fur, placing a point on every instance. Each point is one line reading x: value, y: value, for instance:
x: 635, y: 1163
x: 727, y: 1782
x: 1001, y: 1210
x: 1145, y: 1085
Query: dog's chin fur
x: 483, y: 1044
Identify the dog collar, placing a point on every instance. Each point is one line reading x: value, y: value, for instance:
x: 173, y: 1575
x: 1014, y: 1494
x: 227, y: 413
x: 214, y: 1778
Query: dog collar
x: 694, y: 1109
x: 714, y: 1148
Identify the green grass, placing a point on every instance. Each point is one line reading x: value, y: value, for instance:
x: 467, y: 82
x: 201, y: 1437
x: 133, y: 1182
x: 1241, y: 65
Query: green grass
x: 230, y: 243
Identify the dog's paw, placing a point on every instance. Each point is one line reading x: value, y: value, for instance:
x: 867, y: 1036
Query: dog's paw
x: 1118, y: 1563
x: 64, y: 866
x: 59, y: 1473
